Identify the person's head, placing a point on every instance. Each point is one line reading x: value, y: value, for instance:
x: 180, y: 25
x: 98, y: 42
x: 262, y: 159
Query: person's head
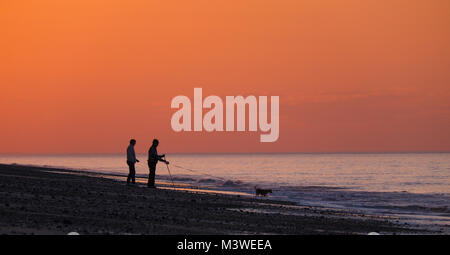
x: 132, y: 142
x: 155, y: 142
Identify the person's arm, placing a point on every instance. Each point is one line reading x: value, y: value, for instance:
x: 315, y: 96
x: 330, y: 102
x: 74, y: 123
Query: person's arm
x: 134, y: 156
x: 160, y: 158
x: 154, y: 155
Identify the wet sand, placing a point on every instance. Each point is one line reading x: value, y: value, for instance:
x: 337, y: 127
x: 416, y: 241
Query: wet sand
x: 35, y: 200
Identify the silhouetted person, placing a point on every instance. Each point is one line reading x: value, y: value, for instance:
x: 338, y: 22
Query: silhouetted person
x: 153, y: 159
x: 131, y: 160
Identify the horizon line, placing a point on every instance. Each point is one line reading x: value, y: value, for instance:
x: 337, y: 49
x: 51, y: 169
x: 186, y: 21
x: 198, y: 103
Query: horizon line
x: 230, y: 153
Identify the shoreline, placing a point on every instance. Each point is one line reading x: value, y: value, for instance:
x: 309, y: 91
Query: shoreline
x: 46, y: 200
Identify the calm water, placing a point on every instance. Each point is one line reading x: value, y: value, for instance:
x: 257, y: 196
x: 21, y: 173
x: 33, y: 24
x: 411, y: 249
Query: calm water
x: 413, y: 185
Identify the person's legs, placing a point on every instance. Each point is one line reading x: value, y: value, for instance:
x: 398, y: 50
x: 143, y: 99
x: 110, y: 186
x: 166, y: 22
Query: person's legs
x: 132, y: 174
x: 151, y: 175
x: 129, y: 172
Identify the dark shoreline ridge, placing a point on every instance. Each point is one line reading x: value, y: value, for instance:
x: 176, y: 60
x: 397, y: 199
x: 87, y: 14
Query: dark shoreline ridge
x: 38, y: 200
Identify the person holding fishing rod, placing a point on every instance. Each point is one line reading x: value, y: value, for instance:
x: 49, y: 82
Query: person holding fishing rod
x: 153, y: 159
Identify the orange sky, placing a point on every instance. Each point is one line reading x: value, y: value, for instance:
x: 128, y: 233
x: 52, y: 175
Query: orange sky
x: 86, y: 76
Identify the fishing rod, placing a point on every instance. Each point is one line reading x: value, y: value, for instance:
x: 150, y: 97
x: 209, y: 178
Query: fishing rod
x: 196, y: 171
x: 192, y: 170
x: 167, y: 165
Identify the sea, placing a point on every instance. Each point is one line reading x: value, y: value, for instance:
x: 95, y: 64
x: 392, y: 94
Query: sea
x: 409, y: 187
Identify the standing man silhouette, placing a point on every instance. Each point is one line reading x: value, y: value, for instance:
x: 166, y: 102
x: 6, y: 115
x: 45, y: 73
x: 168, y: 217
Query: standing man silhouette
x: 131, y: 161
x: 153, y: 159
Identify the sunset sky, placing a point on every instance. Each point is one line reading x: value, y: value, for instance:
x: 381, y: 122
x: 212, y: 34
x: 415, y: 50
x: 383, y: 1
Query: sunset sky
x: 352, y: 76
